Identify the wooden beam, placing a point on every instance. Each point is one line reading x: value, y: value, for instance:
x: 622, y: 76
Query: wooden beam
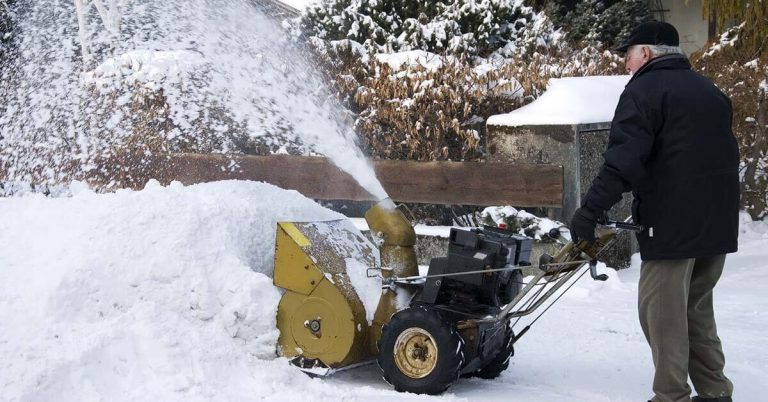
x: 472, y: 183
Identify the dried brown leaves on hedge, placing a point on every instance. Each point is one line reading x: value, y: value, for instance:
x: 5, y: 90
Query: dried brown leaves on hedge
x: 419, y: 113
x: 738, y: 72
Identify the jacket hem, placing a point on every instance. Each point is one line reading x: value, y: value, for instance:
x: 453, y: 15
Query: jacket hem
x: 686, y: 254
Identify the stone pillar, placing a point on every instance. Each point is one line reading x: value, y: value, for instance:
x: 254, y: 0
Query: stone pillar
x: 549, y: 144
x: 579, y: 149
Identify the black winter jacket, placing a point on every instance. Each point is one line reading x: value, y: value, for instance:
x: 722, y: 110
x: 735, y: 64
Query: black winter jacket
x: 671, y: 144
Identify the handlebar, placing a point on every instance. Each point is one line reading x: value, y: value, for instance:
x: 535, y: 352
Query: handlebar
x: 624, y: 226
x: 555, y: 232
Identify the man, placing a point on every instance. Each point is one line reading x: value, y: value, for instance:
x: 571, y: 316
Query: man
x: 671, y: 144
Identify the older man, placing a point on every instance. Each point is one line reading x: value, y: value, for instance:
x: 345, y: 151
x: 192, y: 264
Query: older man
x: 671, y: 144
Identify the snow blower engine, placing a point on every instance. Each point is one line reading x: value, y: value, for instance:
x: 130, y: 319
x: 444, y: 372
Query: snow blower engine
x: 469, y: 275
x: 347, y: 302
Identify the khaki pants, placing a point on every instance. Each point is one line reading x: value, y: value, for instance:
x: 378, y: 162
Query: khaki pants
x: 675, y: 305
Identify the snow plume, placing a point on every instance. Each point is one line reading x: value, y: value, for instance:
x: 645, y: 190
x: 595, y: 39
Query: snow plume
x: 96, y: 91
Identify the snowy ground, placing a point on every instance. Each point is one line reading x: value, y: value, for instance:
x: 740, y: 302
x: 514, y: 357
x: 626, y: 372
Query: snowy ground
x: 161, y: 294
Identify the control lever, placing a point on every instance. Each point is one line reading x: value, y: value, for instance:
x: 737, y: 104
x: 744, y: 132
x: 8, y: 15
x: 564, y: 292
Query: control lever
x: 554, y: 233
x: 593, y: 272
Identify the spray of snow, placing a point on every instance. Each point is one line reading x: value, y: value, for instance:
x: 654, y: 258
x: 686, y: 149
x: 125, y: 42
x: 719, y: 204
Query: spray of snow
x: 226, y: 77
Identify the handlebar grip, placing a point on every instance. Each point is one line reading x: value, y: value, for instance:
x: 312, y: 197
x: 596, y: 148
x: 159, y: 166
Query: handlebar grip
x: 627, y: 226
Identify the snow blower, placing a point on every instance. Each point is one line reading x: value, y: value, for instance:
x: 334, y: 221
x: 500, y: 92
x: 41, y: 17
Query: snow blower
x: 425, y: 331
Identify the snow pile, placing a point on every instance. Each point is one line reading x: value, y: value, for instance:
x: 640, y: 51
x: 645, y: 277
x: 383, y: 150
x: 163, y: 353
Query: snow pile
x: 160, y: 294
x: 573, y: 100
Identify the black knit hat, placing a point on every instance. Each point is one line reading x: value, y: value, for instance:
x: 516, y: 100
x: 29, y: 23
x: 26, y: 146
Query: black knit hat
x: 651, y: 33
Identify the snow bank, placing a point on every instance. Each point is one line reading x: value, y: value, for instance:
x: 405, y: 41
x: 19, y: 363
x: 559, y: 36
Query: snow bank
x: 160, y: 294
x: 572, y: 100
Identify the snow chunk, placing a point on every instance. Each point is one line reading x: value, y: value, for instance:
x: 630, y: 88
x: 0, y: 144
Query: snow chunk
x: 573, y: 100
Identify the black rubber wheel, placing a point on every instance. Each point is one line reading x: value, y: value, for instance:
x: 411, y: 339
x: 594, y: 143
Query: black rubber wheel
x: 500, y: 362
x: 420, y: 351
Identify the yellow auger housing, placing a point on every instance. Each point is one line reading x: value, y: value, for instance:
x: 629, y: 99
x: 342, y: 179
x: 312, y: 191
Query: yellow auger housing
x: 332, y: 310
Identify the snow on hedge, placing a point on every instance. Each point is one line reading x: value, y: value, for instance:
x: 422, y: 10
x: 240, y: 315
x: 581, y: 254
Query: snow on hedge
x: 207, y: 76
x: 729, y: 38
x: 474, y: 28
x: 520, y: 221
x: 398, y: 60
x: 572, y: 100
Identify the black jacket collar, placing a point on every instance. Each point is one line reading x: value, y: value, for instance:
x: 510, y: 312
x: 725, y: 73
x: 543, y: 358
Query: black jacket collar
x: 668, y: 62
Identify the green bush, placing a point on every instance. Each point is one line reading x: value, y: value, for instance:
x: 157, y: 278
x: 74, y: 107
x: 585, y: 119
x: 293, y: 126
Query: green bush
x: 455, y: 27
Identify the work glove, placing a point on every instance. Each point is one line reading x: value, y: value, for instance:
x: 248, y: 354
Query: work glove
x: 583, y: 224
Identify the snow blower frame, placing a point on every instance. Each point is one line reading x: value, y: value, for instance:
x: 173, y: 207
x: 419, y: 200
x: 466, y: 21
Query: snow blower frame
x: 428, y: 330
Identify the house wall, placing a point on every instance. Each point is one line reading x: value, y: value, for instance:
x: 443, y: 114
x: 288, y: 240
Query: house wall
x: 687, y: 18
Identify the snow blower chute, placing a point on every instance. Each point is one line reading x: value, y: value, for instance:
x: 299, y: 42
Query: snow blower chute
x: 347, y: 302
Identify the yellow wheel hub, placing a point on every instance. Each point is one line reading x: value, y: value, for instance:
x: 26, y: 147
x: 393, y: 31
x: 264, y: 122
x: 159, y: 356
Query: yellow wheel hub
x: 415, y: 352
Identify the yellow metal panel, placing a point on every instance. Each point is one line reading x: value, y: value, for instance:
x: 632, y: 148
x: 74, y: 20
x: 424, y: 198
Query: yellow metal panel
x: 294, y: 233
x: 294, y: 270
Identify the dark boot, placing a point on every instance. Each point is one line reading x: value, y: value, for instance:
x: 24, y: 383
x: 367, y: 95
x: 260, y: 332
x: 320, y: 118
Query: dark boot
x: 720, y: 399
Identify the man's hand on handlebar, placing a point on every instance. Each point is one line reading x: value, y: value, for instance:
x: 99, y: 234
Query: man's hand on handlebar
x: 584, y: 222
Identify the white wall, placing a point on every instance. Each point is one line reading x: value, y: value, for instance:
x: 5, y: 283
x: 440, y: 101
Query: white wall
x: 688, y: 19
